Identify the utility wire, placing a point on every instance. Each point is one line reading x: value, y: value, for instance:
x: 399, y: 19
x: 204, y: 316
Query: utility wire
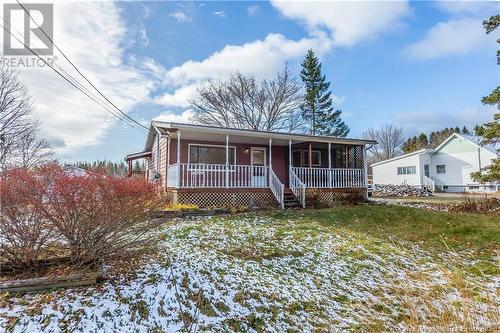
x: 79, y: 72
x: 75, y: 85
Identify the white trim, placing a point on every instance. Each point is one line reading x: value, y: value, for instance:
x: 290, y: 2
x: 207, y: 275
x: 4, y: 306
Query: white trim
x: 207, y: 145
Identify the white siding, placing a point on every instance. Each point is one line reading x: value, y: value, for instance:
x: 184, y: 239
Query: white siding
x: 387, y: 173
x: 461, y: 158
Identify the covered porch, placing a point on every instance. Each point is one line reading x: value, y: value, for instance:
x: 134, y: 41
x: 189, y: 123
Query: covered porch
x: 274, y: 161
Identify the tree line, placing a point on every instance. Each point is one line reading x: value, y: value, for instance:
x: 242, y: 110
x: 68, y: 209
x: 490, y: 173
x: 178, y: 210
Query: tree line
x: 119, y: 169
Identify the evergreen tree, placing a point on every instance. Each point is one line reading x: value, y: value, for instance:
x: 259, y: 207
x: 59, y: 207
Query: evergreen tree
x: 317, y: 109
x: 491, y: 130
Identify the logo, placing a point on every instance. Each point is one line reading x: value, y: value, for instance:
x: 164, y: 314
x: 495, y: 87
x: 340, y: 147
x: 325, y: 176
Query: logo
x: 23, y: 32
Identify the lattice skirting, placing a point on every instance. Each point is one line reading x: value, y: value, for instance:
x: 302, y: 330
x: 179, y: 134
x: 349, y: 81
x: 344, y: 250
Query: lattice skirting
x: 327, y: 197
x: 226, y: 198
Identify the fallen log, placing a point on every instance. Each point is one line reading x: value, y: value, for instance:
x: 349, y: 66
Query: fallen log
x: 43, y: 283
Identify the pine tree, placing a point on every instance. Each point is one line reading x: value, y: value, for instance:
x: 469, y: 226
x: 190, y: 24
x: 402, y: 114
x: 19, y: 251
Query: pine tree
x: 491, y: 130
x: 317, y: 109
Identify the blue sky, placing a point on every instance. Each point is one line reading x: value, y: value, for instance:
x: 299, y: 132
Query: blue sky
x: 421, y: 65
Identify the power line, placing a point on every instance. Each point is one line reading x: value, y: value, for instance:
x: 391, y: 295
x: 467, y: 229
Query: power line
x: 79, y: 72
x: 75, y: 85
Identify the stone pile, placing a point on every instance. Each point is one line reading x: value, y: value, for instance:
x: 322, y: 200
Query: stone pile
x: 400, y: 191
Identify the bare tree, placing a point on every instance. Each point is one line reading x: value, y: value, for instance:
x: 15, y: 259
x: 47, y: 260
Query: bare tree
x: 389, y: 139
x: 20, y: 144
x: 243, y: 102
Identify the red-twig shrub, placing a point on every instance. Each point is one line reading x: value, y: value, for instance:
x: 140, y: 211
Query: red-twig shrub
x: 24, y: 232
x: 93, y: 217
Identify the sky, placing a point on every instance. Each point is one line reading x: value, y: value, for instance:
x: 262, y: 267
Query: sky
x: 420, y: 65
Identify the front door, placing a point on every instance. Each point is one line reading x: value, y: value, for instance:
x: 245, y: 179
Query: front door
x: 426, y: 170
x: 258, y: 162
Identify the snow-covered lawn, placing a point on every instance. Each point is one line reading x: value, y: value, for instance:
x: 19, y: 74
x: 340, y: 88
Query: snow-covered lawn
x: 255, y: 273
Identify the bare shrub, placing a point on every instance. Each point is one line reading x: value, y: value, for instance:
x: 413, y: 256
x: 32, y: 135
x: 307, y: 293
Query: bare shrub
x: 98, y: 216
x: 88, y: 219
x: 24, y: 233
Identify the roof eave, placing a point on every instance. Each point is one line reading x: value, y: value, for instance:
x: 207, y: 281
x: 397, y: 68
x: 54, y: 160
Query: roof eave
x: 277, y: 135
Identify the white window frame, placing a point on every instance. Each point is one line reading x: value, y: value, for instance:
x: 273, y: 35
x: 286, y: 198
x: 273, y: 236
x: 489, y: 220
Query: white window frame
x: 208, y: 145
x: 444, y: 169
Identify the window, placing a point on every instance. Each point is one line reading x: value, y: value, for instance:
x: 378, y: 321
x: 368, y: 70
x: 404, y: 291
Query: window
x: 440, y: 168
x: 205, y: 154
x: 315, y: 157
x: 473, y: 187
x: 407, y: 170
x: 301, y: 158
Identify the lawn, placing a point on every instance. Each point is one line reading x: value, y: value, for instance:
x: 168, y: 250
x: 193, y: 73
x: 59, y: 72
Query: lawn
x: 369, y: 268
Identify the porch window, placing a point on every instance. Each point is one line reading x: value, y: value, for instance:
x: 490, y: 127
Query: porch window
x: 301, y: 158
x: 210, y: 154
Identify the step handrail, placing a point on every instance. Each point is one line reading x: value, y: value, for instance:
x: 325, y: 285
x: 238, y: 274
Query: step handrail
x: 277, y: 188
x: 298, y: 188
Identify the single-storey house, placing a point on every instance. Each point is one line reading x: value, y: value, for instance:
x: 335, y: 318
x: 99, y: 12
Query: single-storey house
x: 446, y: 168
x: 213, y: 166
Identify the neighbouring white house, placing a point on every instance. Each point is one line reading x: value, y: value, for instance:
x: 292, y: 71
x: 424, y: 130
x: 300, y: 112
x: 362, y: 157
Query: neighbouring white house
x: 445, y: 168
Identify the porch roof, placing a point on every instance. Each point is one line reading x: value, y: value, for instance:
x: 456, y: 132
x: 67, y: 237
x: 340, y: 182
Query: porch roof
x: 203, y: 132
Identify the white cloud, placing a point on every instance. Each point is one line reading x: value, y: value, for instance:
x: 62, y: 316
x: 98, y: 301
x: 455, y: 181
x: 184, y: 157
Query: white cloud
x: 220, y: 13
x: 454, y: 37
x: 68, y: 118
x: 349, y: 22
x: 183, y: 117
x: 180, y: 16
x: 468, y: 7
x: 252, y: 10
x: 272, y: 53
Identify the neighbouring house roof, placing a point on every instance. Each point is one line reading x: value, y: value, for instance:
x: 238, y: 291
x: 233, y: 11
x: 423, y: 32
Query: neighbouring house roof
x: 75, y: 171
x: 416, y: 152
x: 166, y: 128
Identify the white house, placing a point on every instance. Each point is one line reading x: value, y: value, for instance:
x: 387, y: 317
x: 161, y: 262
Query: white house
x: 447, y: 167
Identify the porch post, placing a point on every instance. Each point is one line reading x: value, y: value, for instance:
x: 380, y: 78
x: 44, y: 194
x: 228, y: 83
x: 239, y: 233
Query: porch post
x: 227, y: 161
x: 329, y: 165
x: 178, y: 158
x: 309, y: 152
x: 289, y: 160
x: 270, y: 159
x: 346, y: 157
x: 365, y: 165
x: 168, y: 161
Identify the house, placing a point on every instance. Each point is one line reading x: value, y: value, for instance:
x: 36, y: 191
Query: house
x: 212, y: 166
x: 446, y: 168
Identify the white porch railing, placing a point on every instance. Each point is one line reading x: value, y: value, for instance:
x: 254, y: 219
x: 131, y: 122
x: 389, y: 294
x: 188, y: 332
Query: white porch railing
x: 172, y: 175
x: 215, y: 175
x: 277, y: 188
x: 330, y: 178
x: 429, y: 183
x: 298, y: 188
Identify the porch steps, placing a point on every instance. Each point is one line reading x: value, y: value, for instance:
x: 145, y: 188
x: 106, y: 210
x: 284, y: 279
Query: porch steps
x: 290, y: 200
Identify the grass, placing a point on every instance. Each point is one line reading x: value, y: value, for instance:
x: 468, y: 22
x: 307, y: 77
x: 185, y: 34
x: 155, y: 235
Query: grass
x: 434, y: 231
x: 368, y: 268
